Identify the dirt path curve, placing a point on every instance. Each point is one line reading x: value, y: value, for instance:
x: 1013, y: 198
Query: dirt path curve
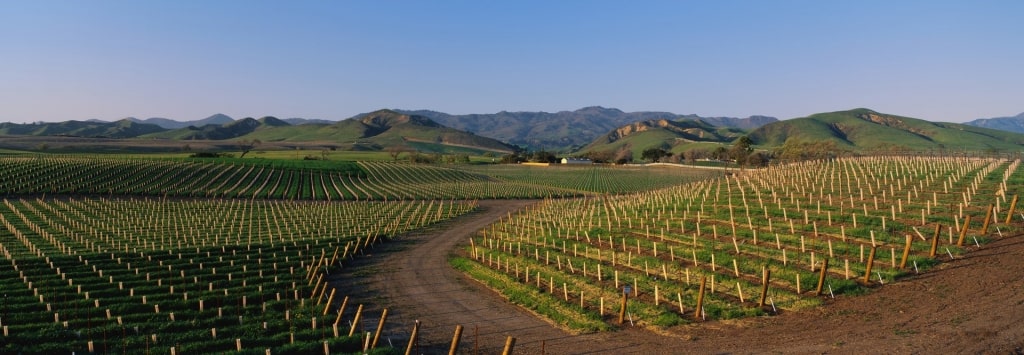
x: 973, y: 304
x: 413, y: 280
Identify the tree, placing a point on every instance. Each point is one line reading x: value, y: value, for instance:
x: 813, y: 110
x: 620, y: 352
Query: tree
x: 246, y: 145
x: 654, y: 154
x: 624, y: 155
x: 741, y: 149
x: 396, y: 151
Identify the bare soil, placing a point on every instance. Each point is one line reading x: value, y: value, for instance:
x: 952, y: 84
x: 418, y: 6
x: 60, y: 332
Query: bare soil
x: 973, y: 304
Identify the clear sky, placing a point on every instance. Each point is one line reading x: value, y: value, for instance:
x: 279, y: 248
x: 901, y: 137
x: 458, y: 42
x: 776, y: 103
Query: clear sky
x: 187, y: 59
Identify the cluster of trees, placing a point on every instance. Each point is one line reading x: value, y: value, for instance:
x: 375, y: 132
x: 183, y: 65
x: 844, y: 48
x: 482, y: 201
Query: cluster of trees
x: 540, y: 156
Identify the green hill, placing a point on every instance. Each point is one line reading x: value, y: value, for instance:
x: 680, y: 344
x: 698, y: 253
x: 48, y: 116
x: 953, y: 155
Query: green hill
x: 863, y: 129
x: 567, y: 130
x: 670, y: 135
x: 118, y: 129
x: 230, y: 130
x: 382, y: 129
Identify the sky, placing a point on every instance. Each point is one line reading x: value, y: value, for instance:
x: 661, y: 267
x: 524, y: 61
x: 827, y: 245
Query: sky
x: 938, y: 60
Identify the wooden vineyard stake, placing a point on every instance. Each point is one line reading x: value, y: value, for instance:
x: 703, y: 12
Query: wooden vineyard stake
x: 906, y: 252
x: 963, y: 231
x: 622, y: 308
x: 765, y: 278
x: 870, y: 263
x: 700, y: 298
x: 380, y: 328
x: 988, y: 218
x: 1013, y: 205
x: 412, y: 338
x: 329, y: 300
x: 341, y: 310
x: 935, y: 240
x: 355, y: 321
x: 510, y: 342
x: 454, y: 348
x: 821, y: 277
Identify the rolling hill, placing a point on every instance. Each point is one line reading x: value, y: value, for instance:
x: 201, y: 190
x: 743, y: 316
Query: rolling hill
x: 217, y: 119
x: 1009, y: 124
x: 671, y: 135
x: 119, y: 129
x: 376, y: 130
x: 863, y: 130
x: 567, y: 130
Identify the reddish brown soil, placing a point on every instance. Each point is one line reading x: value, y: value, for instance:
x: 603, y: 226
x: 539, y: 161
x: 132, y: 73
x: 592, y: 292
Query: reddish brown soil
x: 974, y: 304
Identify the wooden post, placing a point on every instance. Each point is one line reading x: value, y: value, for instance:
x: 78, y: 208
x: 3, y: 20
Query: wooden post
x: 355, y: 322
x: 906, y: 252
x: 765, y: 278
x: 455, y: 340
x: 510, y: 342
x: 821, y: 277
x: 988, y: 219
x: 871, y: 261
x: 963, y: 231
x: 341, y: 310
x: 622, y: 309
x: 700, y: 298
x: 380, y: 328
x: 412, y: 338
x: 935, y: 240
x: 1013, y: 205
x: 329, y: 300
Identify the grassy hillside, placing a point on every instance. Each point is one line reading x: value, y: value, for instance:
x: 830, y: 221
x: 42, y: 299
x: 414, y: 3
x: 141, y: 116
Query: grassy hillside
x: 567, y: 130
x: 864, y: 129
x: 382, y: 129
x: 118, y: 129
x: 674, y: 136
x: 1010, y: 124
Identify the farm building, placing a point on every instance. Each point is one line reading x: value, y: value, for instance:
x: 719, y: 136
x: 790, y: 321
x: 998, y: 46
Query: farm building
x: 576, y: 161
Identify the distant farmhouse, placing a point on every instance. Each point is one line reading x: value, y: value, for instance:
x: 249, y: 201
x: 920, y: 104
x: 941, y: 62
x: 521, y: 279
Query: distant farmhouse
x: 576, y: 161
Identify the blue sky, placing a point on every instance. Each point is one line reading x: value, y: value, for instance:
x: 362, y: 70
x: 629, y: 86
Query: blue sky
x: 187, y: 59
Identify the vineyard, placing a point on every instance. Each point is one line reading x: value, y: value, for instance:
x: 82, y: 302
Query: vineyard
x: 760, y: 242
x: 192, y: 276
x: 321, y: 181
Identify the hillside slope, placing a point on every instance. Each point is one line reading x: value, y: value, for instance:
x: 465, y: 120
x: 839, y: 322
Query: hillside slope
x: 119, y: 129
x: 864, y: 129
x: 385, y: 128
x: 567, y: 130
x: 674, y: 136
x: 1009, y: 124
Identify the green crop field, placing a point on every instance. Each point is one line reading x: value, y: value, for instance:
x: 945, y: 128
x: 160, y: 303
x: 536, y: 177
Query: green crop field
x: 705, y: 250
x: 318, y: 179
x: 140, y: 275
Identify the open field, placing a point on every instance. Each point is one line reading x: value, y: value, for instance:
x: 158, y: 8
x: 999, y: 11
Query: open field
x: 116, y: 275
x: 213, y: 255
x: 318, y: 180
x: 758, y: 243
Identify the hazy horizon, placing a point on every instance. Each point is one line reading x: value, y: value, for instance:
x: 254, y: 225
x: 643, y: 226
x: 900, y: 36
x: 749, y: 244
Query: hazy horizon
x: 186, y: 60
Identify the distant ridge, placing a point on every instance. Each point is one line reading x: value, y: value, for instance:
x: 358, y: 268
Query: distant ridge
x: 94, y: 129
x: 670, y: 135
x: 217, y: 119
x: 864, y: 130
x: 1010, y: 124
x: 229, y: 130
x: 567, y: 130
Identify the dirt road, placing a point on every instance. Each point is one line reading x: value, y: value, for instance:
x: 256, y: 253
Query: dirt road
x: 974, y: 304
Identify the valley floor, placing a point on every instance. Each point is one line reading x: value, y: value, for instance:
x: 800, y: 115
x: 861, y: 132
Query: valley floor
x: 974, y: 304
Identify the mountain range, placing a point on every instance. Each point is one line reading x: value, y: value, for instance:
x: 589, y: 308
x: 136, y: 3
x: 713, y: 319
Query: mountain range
x: 584, y: 131
x: 568, y: 130
x: 1011, y: 124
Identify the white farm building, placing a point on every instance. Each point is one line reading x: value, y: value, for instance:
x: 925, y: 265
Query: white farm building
x: 576, y: 161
